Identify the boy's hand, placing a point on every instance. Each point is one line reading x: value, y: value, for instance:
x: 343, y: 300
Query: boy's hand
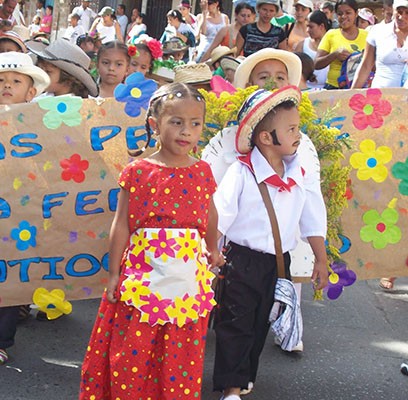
x: 320, y: 276
x: 111, y: 289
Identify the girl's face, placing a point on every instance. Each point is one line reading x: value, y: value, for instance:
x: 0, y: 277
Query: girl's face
x: 269, y: 70
x: 315, y: 31
x: 401, y: 18
x: 301, y: 12
x: 347, y: 16
x: 173, y: 21
x: 112, y: 66
x: 245, y: 17
x: 184, y: 11
x: 54, y: 73
x: 179, y: 126
x: 362, y: 23
x: 140, y: 63
x: 48, y: 11
x: 266, y: 12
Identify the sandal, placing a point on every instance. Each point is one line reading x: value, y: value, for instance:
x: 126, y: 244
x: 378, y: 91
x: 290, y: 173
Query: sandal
x: 3, y: 357
x: 387, y: 283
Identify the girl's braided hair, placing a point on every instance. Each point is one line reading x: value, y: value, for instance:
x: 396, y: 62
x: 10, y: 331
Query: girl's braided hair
x: 165, y: 93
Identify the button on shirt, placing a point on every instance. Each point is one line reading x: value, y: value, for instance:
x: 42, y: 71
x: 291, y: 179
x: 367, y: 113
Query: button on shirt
x: 242, y: 215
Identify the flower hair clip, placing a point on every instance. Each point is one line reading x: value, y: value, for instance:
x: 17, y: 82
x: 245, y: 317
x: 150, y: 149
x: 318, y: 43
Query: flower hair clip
x: 132, y: 51
x: 155, y: 48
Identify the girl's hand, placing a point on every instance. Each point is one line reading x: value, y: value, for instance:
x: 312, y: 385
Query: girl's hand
x: 320, y: 275
x: 111, y: 289
x: 215, y: 259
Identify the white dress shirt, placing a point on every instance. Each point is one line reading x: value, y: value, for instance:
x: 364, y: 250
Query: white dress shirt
x: 243, y: 218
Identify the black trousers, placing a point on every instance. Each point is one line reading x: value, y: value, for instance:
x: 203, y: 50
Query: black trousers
x: 243, y: 315
x: 8, y: 325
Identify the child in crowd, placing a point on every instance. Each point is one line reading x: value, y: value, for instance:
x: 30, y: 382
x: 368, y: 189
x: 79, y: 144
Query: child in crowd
x: 149, y: 336
x: 11, y: 41
x: 20, y: 81
x: 142, y: 55
x: 307, y: 72
x: 35, y: 25
x: 138, y: 29
x: 268, y: 137
x: 74, y: 30
x: 68, y: 67
x: 112, y: 63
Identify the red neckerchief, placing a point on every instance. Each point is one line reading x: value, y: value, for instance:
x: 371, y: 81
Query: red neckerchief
x: 274, y: 180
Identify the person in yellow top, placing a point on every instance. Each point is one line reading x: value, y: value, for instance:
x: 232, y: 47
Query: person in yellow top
x: 337, y: 44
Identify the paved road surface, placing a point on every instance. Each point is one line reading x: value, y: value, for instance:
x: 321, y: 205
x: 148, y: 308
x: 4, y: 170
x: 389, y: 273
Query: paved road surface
x: 353, y: 349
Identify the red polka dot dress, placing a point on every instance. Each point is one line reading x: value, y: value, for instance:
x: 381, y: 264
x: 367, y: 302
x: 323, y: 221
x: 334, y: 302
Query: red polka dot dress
x: 162, y: 358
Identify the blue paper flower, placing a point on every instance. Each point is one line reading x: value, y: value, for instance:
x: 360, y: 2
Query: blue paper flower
x: 24, y: 235
x: 135, y: 92
x: 339, y: 278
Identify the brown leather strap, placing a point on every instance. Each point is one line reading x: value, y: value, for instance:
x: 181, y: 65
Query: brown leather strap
x: 275, y: 229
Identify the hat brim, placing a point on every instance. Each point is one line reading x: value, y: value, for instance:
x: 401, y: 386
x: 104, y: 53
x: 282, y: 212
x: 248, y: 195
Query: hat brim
x: 172, y: 51
x: 292, y: 62
x: 70, y: 67
x: 213, y: 60
x: 17, y: 41
x: 258, y: 112
x: 40, y: 78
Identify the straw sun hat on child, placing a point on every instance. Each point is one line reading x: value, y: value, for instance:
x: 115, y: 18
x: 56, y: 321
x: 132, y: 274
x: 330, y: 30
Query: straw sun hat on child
x: 68, y: 57
x: 23, y: 64
x: 192, y: 73
x: 255, y: 109
x: 292, y: 62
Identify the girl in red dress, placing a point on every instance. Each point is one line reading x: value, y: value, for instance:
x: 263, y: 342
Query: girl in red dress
x: 149, y: 336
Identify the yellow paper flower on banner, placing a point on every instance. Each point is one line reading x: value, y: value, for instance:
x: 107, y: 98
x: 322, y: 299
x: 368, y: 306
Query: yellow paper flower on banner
x: 370, y: 161
x: 183, y: 311
x: 52, y: 303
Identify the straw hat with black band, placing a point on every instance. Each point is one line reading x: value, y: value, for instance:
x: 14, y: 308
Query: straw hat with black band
x: 69, y: 58
x: 255, y: 108
x: 291, y: 61
x: 15, y: 38
x: 219, y: 52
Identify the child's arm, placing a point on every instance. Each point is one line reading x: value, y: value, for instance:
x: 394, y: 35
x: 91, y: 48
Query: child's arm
x: 215, y: 257
x: 320, y: 273
x: 118, y: 240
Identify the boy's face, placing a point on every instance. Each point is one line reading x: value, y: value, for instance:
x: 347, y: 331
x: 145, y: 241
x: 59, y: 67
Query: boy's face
x: 16, y: 88
x: 54, y: 73
x: 269, y: 70
x: 286, y: 125
x: 9, y: 45
x: 266, y: 12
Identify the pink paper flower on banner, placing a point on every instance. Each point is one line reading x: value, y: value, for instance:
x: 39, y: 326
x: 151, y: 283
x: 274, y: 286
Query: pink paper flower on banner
x: 370, y: 109
x: 73, y: 168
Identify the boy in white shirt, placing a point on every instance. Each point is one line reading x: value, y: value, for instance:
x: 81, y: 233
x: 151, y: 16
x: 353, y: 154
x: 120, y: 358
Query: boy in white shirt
x: 268, y: 138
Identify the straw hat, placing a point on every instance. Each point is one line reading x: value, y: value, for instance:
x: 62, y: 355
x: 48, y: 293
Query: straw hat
x: 68, y: 57
x: 254, y: 109
x: 229, y: 63
x: 219, y: 52
x: 192, y: 73
x: 174, y: 45
x: 22, y: 31
x: 14, y: 37
x: 292, y: 62
x: 23, y: 64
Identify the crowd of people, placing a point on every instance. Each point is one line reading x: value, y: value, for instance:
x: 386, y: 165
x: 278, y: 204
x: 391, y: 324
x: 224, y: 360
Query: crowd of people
x: 325, y: 46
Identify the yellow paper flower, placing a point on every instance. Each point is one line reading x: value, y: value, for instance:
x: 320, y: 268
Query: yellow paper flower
x: 183, y: 311
x: 370, y: 161
x: 52, y: 303
x: 187, y: 245
x: 134, y: 289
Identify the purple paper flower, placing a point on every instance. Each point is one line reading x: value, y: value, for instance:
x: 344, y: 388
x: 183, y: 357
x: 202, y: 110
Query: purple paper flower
x: 135, y: 92
x: 339, y: 278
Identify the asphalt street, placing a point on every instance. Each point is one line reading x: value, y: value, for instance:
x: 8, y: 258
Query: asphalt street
x: 353, y: 349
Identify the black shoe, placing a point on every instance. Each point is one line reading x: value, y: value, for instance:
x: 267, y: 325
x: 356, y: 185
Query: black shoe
x: 404, y: 368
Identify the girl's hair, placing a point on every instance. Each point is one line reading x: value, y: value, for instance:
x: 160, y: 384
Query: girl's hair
x: 307, y: 67
x: 160, y: 97
x: 115, y: 44
x: 319, y: 17
x: 351, y: 3
x: 144, y: 47
x: 50, y: 8
x: 244, y: 6
x: 175, y: 14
